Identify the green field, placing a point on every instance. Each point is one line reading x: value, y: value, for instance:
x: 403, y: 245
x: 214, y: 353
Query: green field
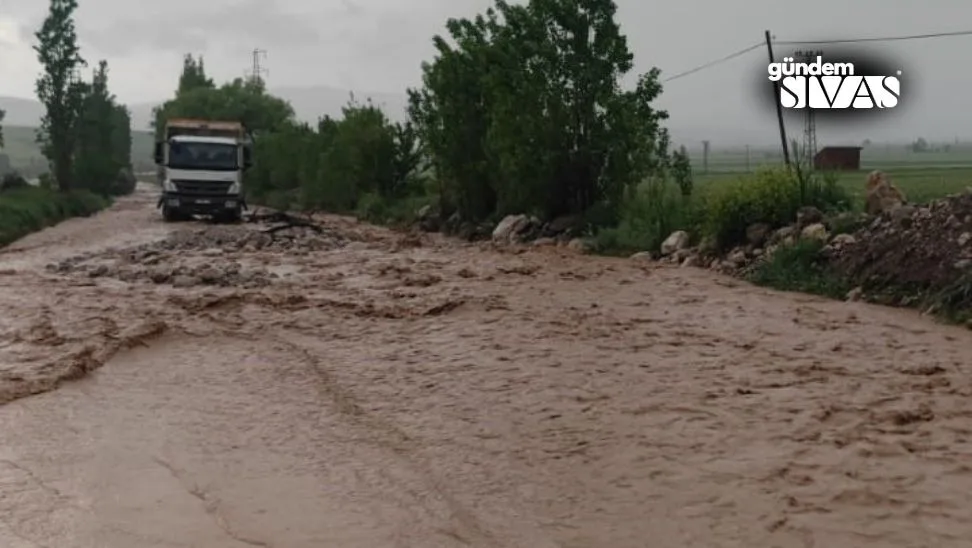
x: 25, y: 156
x: 921, y: 176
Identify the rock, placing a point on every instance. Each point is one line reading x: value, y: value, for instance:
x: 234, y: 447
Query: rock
x: 544, y: 242
x: 737, y: 257
x: 816, y: 231
x: 509, y: 228
x: 580, y: 245
x: 676, y: 241
x: 708, y: 245
x: 963, y: 264
x: 692, y: 261
x: 808, y: 215
x: 964, y: 238
x: 881, y: 195
x: 560, y: 225
x: 757, y: 234
x: 681, y: 254
x: 855, y: 294
x: 842, y: 240
x: 783, y: 235
x: 428, y: 219
x: 902, y: 215
x: 642, y: 256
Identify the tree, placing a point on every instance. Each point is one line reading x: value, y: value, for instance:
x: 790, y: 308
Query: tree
x: 193, y: 75
x: 3, y: 114
x: 244, y: 101
x: 522, y: 111
x: 682, y: 170
x: 58, y: 88
x: 104, y: 139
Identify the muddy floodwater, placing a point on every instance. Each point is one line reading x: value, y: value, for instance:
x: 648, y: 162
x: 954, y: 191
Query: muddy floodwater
x: 191, y: 385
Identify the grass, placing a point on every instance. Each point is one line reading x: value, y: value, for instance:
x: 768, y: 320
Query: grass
x: 919, y: 183
x: 26, y: 210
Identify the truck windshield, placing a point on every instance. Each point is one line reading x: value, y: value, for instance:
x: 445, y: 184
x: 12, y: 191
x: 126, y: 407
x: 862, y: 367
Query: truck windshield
x: 214, y: 156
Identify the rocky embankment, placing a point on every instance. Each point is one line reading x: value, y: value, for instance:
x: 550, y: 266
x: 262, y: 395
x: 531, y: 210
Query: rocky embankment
x: 893, y: 252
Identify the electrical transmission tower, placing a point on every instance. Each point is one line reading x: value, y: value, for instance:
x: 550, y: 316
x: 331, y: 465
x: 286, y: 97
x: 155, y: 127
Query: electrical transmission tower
x: 258, y: 72
x: 810, y: 122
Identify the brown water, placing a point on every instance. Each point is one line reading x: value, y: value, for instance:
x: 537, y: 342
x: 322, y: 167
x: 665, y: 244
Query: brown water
x: 386, y: 391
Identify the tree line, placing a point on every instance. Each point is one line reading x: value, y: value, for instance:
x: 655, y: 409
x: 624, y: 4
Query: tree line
x: 85, y: 134
x: 521, y: 111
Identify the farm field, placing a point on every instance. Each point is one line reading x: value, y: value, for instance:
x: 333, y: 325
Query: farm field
x: 922, y: 176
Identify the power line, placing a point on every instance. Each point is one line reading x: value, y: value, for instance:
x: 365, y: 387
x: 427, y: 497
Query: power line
x: 715, y: 62
x: 744, y: 51
x: 879, y: 39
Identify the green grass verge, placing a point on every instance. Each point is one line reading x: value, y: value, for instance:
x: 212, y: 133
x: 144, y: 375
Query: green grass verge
x: 26, y: 210
x: 799, y: 267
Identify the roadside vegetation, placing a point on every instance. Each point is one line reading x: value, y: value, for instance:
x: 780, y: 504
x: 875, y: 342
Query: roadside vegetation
x: 85, y: 136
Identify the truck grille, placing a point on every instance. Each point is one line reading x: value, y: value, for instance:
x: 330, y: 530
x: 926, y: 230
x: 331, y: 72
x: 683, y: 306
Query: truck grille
x: 202, y: 188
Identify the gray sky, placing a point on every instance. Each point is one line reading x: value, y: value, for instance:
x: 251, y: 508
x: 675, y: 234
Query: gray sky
x: 377, y: 45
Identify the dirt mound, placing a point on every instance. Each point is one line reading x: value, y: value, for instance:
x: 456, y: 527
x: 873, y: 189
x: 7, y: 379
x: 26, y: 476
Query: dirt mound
x: 912, y: 247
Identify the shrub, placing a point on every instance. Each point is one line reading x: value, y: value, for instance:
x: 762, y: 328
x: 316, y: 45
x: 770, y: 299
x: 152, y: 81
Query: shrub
x: 800, y: 267
x: 27, y: 210
x: 657, y: 209
x: 772, y: 196
x: 374, y: 208
x: 13, y: 181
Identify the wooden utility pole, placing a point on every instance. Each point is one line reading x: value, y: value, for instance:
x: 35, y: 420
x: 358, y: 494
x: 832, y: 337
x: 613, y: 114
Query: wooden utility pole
x: 779, y: 106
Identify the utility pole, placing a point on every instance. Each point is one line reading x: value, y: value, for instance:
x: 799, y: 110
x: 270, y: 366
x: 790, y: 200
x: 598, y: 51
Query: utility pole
x: 810, y: 123
x: 705, y: 157
x: 779, y: 106
x: 257, y: 72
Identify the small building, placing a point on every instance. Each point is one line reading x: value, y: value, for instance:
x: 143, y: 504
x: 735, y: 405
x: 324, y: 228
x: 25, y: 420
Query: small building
x: 838, y: 159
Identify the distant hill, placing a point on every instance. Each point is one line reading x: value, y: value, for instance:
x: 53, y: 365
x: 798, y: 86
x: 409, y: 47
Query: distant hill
x: 25, y: 156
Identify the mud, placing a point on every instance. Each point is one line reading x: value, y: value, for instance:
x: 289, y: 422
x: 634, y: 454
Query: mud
x: 364, y: 388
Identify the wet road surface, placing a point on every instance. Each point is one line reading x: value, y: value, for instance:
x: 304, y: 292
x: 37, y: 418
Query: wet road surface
x: 202, y: 386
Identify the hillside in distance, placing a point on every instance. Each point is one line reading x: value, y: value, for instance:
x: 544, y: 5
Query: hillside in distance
x: 24, y: 154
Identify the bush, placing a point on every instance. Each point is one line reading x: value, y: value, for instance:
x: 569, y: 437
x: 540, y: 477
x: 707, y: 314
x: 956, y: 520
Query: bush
x: 372, y: 207
x: 27, y: 210
x: 13, y: 181
x: 800, y: 267
x: 771, y: 196
x: 657, y: 209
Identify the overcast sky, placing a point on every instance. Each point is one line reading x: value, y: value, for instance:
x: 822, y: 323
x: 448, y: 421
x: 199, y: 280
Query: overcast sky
x: 377, y: 45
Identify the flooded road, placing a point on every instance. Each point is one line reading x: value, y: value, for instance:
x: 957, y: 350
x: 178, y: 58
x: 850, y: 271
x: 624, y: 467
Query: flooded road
x: 223, y: 387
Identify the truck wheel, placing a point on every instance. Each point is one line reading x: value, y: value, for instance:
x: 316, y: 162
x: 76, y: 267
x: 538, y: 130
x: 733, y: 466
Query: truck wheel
x: 170, y: 215
x: 232, y: 217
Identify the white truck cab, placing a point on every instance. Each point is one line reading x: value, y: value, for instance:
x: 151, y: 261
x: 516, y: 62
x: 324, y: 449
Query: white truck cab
x: 201, y: 166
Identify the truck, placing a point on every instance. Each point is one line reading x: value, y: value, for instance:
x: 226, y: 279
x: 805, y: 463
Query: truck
x: 200, y: 168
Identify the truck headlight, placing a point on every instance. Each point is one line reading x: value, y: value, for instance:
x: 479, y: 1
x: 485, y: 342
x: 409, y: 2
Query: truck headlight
x: 168, y: 186
x: 234, y: 189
